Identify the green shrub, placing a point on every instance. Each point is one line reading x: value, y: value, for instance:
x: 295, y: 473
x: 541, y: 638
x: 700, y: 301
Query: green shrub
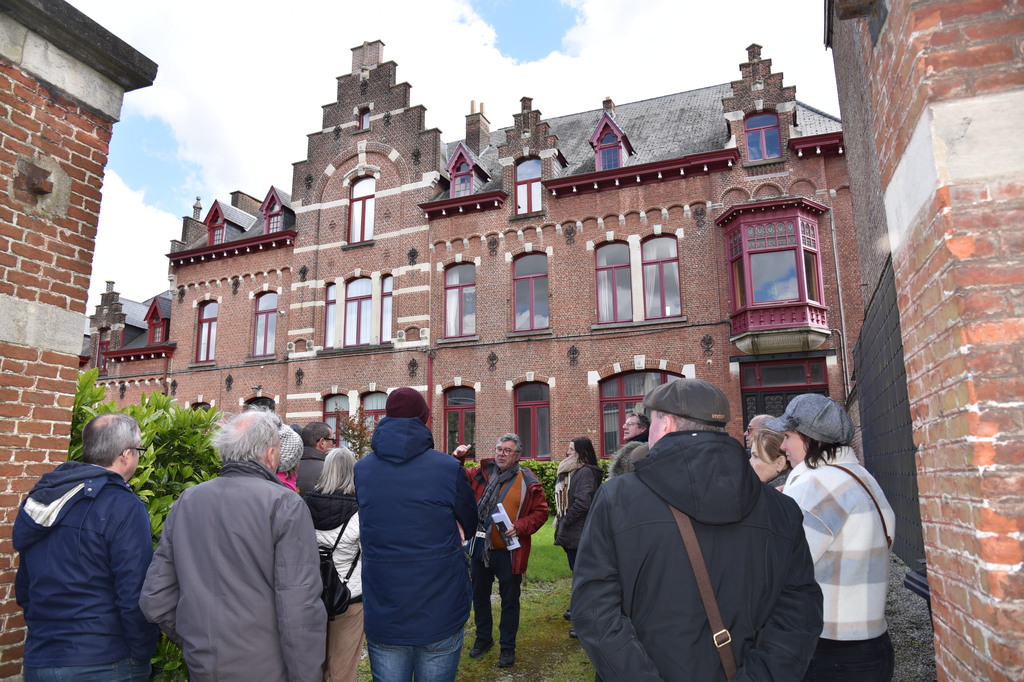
x: 178, y: 455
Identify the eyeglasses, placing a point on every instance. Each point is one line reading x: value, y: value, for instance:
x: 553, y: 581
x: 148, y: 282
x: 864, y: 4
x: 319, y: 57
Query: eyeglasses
x: 504, y: 451
x: 636, y: 424
x: 138, y: 450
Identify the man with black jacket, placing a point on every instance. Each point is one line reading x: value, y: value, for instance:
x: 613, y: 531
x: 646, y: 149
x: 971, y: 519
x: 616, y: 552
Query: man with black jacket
x: 636, y: 606
x: 317, y: 440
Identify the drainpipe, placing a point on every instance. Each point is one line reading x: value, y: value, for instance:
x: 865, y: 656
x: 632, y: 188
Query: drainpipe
x: 842, y: 309
x: 430, y: 385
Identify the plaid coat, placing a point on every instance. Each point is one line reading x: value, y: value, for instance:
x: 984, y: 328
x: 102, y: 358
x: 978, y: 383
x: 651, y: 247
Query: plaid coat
x: 848, y: 546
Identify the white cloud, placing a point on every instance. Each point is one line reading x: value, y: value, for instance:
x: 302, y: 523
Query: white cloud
x: 241, y: 89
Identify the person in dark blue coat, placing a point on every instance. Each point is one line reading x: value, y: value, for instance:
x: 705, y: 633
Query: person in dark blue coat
x: 84, y: 541
x: 415, y: 504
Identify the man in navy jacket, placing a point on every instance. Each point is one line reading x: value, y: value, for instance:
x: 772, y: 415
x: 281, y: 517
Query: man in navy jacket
x: 85, y: 544
x: 412, y: 502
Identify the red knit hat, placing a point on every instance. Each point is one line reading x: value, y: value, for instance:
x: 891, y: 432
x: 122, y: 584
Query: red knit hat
x: 406, y: 402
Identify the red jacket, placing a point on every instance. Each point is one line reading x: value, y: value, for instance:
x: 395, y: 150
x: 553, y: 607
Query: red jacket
x: 533, y: 513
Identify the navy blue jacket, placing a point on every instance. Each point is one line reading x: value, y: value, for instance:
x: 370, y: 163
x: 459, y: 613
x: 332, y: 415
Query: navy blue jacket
x: 416, y: 587
x: 85, y: 545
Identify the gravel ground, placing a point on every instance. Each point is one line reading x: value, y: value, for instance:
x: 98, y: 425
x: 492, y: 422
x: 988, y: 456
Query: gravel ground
x: 910, y: 627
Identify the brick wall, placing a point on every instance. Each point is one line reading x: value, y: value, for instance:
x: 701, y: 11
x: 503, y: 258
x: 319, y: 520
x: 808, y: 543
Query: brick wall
x: 56, y: 116
x: 941, y: 93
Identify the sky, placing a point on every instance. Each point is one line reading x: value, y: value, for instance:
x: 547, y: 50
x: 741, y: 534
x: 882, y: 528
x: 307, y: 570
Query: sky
x: 241, y: 85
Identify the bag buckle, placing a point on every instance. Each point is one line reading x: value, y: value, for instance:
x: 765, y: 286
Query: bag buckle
x: 481, y: 534
x: 722, y: 637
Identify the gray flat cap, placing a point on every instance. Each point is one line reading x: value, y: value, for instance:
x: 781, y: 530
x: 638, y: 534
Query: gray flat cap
x: 816, y: 416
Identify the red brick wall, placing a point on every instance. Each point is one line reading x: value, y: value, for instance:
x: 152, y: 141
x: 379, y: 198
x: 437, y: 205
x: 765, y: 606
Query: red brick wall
x: 46, y: 245
x: 958, y: 264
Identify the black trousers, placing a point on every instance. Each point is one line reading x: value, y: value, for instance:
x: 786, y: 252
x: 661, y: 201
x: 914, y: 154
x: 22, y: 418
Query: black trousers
x: 865, y: 660
x: 508, y: 589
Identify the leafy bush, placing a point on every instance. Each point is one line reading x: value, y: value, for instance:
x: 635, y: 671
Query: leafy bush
x: 356, y: 431
x: 178, y: 455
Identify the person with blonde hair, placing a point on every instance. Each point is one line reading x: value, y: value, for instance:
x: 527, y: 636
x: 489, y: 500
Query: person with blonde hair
x: 332, y: 504
x: 767, y: 458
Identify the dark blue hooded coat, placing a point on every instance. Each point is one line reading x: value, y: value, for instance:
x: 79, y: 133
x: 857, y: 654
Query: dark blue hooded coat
x: 85, y: 545
x: 416, y: 587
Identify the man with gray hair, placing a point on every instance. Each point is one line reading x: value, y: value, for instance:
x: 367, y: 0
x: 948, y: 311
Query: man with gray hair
x: 502, y: 480
x: 636, y: 605
x: 236, y: 578
x: 84, y: 540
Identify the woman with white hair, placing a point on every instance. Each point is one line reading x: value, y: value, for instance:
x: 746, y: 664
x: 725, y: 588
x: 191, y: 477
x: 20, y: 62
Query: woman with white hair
x: 335, y: 512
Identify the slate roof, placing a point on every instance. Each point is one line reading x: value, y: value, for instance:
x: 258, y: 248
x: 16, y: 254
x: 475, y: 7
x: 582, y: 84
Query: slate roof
x: 241, y: 225
x: 661, y: 128
x: 136, y: 333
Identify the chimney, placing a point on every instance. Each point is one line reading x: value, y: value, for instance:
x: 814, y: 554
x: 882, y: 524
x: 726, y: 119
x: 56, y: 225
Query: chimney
x: 609, y: 106
x: 197, y: 209
x: 478, y: 129
x: 367, y: 56
x: 527, y: 103
x: 753, y: 52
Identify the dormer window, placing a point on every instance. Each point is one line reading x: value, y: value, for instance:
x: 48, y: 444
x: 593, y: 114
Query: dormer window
x: 217, y: 232
x: 609, y: 152
x: 273, y: 210
x: 364, y: 118
x: 462, y: 180
x: 762, y: 133
x: 275, y: 217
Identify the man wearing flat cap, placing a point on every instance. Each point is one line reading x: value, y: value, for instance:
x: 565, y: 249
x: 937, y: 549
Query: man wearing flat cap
x: 636, y: 606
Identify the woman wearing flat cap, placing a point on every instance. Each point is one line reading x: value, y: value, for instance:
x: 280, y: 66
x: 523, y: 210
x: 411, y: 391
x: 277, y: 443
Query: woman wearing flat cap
x: 848, y: 524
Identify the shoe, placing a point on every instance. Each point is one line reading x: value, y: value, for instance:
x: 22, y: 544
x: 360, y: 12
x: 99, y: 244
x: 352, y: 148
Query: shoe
x: 507, y: 658
x: 481, y: 647
x: 572, y: 633
x: 567, y: 615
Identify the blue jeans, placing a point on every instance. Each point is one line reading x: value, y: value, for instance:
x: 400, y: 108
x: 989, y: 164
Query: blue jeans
x: 437, y: 662
x: 865, y: 660
x: 128, y: 670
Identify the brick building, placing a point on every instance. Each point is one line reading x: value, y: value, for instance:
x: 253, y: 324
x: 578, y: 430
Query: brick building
x: 931, y: 94
x: 62, y: 80
x: 538, y: 278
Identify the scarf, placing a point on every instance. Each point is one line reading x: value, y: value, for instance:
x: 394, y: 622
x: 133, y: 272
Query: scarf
x: 566, y: 468
x: 489, y: 500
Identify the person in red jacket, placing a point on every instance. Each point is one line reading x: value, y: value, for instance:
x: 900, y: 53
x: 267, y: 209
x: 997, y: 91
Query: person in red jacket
x: 502, y: 480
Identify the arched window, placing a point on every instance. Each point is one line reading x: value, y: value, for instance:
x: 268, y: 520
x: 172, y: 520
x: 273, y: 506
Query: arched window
x: 661, y: 278
x: 387, y: 284
x: 357, y: 312
x: 609, y: 152
x: 460, y: 300
x: 360, y: 226
x: 528, y: 196
x: 206, y: 338
x: 460, y: 418
x: 624, y: 393
x: 373, y: 406
x: 266, y: 325
x: 462, y: 180
x: 330, y: 314
x: 762, y: 133
x: 530, y: 281
x: 205, y: 407
x: 614, y: 288
x: 364, y: 118
x: 335, y: 412
x: 533, y: 419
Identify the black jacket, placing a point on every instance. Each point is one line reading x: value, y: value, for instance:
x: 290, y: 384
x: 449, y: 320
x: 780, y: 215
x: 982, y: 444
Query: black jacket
x: 582, y: 488
x: 635, y: 603
x: 310, y: 467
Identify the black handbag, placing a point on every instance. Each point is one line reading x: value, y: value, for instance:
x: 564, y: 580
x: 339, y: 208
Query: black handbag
x: 336, y: 594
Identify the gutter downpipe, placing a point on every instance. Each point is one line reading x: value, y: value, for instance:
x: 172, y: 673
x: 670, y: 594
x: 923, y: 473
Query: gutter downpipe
x: 842, y: 307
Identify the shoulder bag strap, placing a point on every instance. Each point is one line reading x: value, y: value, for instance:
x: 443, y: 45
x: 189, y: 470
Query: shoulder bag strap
x: 340, y: 533
x: 352, y: 566
x: 721, y: 636
x: 885, y: 529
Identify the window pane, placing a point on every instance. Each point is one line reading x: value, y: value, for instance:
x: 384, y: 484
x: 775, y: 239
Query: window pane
x: 749, y: 376
x: 385, y: 319
x: 531, y: 265
x: 468, y: 310
x: 671, y: 284
x: 336, y: 403
x: 811, y: 275
x: 524, y: 427
x: 783, y: 375
x: 761, y: 121
x: 605, y: 300
x: 658, y: 249
x: 739, y: 284
x: 543, y: 432
x: 364, y: 322
x: 540, y: 303
x: 522, y: 311
x: 460, y: 396
x: 771, y: 143
x: 613, y: 254
x: 451, y: 312
x: 535, y: 204
x: 652, y: 291
x: 754, y: 150
x: 374, y: 401
x: 817, y: 373
x: 610, y: 389
x: 368, y: 220
x: 773, y: 276
x: 352, y: 323
x: 451, y: 431
x: 521, y: 194
x: 623, y: 295
x: 460, y: 274
x: 266, y: 302
x: 609, y: 138
x: 364, y: 188
x: 468, y: 428
x: 528, y: 170
x: 532, y: 392
x: 610, y: 426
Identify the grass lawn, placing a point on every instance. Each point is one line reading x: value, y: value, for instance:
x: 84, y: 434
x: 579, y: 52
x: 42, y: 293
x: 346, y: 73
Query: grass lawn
x: 544, y: 650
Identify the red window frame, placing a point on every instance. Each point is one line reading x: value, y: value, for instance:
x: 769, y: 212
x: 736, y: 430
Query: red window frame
x: 459, y: 322
x: 216, y: 234
x: 773, y: 232
x: 760, y: 131
x: 330, y: 313
x: 459, y: 408
x: 609, y: 152
x: 387, y: 285
x: 206, y: 332
x: 362, y: 207
x: 528, y: 194
x: 533, y: 419
x: 662, y: 275
x: 157, y: 331
x: 462, y: 180
x: 364, y: 118
x: 264, y: 325
x: 357, y: 310
x: 374, y: 413
x: 615, y: 403
x: 333, y: 417
x: 275, y: 221
x: 615, y: 270
x: 533, y: 287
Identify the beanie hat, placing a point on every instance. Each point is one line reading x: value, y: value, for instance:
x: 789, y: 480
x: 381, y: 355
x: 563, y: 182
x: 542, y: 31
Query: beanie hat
x: 291, y: 449
x: 816, y: 416
x: 407, y: 402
